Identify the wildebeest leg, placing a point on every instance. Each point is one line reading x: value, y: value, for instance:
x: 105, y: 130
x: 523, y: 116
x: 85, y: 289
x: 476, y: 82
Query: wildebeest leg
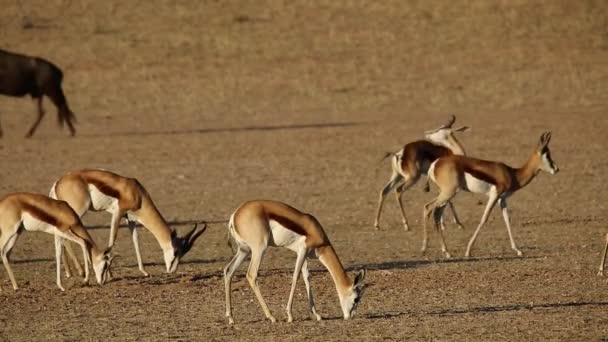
x: 37, y: 122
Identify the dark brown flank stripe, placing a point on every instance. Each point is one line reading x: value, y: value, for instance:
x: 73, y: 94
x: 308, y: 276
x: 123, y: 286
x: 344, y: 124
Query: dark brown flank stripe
x: 480, y: 175
x: 287, y: 223
x: 40, y: 214
x: 104, y: 188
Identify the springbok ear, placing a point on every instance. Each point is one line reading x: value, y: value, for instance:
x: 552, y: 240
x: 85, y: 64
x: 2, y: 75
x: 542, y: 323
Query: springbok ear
x: 450, y: 122
x: 544, y: 140
x: 359, y: 278
x: 106, y: 252
x: 462, y: 129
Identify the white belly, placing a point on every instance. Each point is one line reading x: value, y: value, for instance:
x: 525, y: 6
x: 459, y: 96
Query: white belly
x: 477, y: 185
x: 101, y: 201
x: 35, y: 225
x: 283, y: 237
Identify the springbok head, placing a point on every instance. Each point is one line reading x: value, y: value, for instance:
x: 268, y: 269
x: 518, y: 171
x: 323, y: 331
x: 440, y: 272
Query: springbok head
x: 181, y: 246
x: 443, y: 135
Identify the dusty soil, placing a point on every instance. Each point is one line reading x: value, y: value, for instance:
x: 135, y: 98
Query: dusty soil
x: 211, y: 103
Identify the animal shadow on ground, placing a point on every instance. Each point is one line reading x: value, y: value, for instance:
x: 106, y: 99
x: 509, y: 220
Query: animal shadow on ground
x: 486, y: 309
x: 393, y: 265
x: 226, y: 129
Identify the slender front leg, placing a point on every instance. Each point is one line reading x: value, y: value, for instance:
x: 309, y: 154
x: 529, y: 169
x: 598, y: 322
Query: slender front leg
x: 66, y: 265
x: 491, y: 202
x: 311, y: 302
x: 228, y: 272
x: 87, y: 258
x: 58, y: 253
x: 505, y: 215
x: 116, y: 216
x: 296, y: 273
x: 601, y: 272
x: 133, y: 230
x: 252, y: 277
x: 69, y: 251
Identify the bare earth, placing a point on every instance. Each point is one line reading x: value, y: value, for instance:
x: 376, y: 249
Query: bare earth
x: 210, y: 103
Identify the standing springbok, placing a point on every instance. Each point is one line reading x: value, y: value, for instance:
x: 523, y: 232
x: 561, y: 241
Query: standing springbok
x: 100, y: 190
x: 255, y: 225
x: 494, y: 179
x: 21, y: 75
x: 414, y: 159
x: 36, y: 212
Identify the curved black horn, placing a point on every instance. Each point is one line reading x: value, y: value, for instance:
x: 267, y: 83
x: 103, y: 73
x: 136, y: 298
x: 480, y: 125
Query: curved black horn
x: 193, y: 234
x: 451, y: 121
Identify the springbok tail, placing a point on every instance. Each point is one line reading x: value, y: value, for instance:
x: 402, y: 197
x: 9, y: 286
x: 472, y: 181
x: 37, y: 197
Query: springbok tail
x: 229, y: 233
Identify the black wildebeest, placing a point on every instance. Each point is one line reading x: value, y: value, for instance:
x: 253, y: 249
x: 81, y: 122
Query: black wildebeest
x: 21, y: 75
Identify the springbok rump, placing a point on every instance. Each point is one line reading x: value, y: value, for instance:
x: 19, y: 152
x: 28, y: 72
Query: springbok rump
x: 22, y: 75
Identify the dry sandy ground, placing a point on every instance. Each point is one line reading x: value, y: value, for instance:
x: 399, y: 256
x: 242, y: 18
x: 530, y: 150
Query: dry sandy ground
x: 211, y: 103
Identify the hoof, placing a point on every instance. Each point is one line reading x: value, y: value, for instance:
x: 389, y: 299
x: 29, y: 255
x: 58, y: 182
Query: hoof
x: 318, y: 317
x: 272, y: 319
x: 600, y: 273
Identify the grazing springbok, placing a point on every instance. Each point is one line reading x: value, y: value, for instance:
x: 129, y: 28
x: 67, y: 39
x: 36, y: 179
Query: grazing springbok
x: 494, y: 179
x: 21, y: 75
x: 414, y: 159
x: 36, y: 212
x: 255, y: 225
x: 601, y: 272
x: 101, y: 190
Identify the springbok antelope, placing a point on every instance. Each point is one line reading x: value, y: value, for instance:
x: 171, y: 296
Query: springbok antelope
x: 494, y: 179
x: 21, y: 75
x: 36, y: 212
x: 255, y: 225
x: 414, y: 159
x: 100, y: 190
x: 601, y: 272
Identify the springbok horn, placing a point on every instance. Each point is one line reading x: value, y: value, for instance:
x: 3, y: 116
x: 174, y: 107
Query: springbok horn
x: 451, y: 121
x: 193, y: 234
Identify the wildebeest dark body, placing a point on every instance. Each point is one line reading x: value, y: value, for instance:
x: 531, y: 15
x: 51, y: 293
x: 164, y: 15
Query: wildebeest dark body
x: 21, y: 75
